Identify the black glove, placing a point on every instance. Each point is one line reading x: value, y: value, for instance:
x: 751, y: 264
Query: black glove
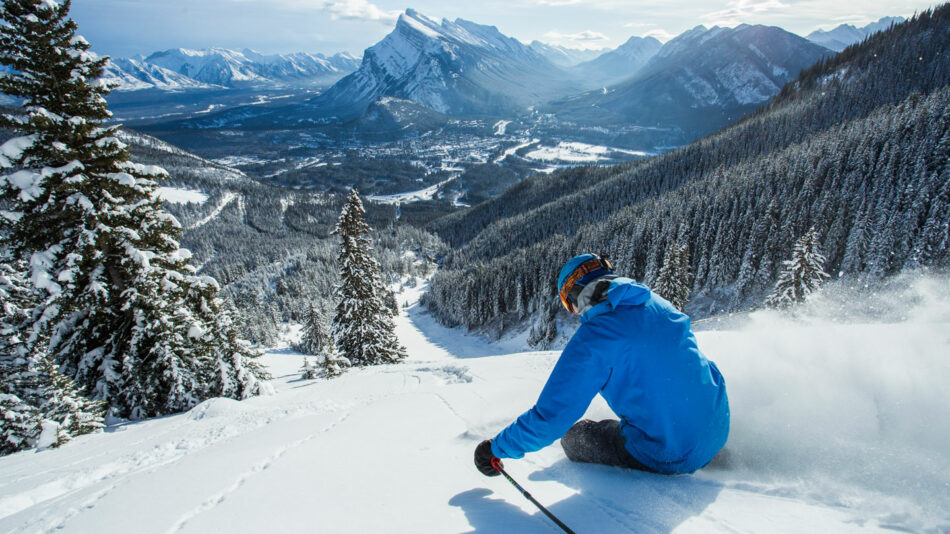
x: 484, y: 457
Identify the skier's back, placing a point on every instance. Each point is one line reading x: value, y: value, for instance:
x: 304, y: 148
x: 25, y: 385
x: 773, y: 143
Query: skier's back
x: 637, y: 351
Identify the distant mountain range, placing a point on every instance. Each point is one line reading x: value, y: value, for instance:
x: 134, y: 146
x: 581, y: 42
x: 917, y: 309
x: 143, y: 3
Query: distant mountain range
x: 135, y: 74
x: 846, y: 35
x: 425, y: 72
x: 563, y: 56
x: 181, y: 68
x: 700, y: 81
x: 619, y: 64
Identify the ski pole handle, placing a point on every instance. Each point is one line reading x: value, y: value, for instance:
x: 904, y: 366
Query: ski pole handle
x: 496, y: 463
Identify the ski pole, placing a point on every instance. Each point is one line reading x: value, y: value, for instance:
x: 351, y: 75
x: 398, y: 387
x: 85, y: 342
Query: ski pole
x: 496, y: 463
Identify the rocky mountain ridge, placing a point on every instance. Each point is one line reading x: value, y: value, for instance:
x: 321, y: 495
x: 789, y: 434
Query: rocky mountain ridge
x: 182, y: 68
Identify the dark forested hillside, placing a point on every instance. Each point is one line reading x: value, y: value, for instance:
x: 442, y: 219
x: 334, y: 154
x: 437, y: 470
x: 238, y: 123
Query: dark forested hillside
x: 857, y: 147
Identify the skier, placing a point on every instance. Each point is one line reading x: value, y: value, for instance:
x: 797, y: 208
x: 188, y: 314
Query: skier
x: 636, y: 350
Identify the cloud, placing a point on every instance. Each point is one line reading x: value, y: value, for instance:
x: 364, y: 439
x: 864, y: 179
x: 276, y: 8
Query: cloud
x: 625, y: 5
x: 359, y: 10
x: 660, y: 35
x: 741, y: 10
x: 587, y: 36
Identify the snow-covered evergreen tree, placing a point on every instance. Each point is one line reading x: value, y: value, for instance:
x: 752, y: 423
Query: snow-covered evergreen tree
x: 125, y: 314
x: 333, y: 364
x: 62, y: 407
x: 19, y: 419
x: 309, y: 371
x: 315, y: 337
x: 803, y: 273
x: 35, y: 394
x: 389, y: 299
x: 363, y: 328
x: 19, y: 424
x: 673, y: 281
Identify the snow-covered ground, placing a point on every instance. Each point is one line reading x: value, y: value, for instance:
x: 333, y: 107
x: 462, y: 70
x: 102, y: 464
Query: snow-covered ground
x: 837, y: 427
x: 574, y: 152
x: 412, y: 196
x: 513, y: 150
x: 178, y: 195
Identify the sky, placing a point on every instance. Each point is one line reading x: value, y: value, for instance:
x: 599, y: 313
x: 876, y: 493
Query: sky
x: 125, y: 28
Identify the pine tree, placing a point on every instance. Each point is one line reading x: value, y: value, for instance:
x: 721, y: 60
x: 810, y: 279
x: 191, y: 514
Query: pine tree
x: 19, y: 424
x: 315, y: 337
x: 363, y: 328
x: 308, y: 371
x: 62, y: 405
x: 803, y: 274
x: 35, y: 394
x: 19, y: 419
x: 123, y: 310
x: 389, y: 299
x: 333, y: 364
x: 673, y: 282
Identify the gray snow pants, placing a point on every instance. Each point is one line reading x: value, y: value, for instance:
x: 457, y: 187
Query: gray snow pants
x: 599, y: 442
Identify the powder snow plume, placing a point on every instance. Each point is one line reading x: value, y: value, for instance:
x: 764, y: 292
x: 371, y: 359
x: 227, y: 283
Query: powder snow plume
x: 846, y: 396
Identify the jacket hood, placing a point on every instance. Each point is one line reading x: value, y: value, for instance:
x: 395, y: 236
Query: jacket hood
x: 622, y: 292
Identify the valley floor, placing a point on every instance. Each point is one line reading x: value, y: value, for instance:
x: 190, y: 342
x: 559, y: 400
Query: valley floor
x: 832, y: 432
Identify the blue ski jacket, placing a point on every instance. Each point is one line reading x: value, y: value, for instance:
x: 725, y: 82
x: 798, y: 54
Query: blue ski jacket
x: 638, y: 352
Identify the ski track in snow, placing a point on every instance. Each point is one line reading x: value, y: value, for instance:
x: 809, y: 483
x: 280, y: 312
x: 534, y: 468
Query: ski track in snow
x: 219, y: 498
x: 227, y: 199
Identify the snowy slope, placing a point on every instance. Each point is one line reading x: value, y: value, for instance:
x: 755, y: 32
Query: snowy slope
x: 836, y: 428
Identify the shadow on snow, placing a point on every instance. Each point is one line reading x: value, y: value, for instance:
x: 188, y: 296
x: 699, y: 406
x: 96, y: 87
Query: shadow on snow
x: 608, y: 500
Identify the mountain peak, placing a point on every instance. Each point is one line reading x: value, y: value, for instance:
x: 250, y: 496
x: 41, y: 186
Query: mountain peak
x: 418, y: 23
x: 844, y: 35
x: 453, y: 67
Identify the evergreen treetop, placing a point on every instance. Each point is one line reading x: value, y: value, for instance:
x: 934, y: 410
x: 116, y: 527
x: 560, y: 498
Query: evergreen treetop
x: 803, y: 274
x: 363, y: 328
x: 673, y: 281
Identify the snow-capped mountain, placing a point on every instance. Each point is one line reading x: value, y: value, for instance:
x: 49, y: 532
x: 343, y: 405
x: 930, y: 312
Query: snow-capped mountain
x: 134, y: 74
x: 456, y: 68
x: 621, y: 63
x: 563, y: 56
x: 181, y: 68
x: 846, y: 34
x: 221, y: 66
x: 702, y: 80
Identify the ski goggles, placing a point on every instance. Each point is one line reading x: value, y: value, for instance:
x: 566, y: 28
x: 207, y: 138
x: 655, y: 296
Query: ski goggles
x: 571, y: 290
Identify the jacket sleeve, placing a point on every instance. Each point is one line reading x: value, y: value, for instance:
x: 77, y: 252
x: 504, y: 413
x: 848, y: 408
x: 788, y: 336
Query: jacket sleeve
x: 578, y: 375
